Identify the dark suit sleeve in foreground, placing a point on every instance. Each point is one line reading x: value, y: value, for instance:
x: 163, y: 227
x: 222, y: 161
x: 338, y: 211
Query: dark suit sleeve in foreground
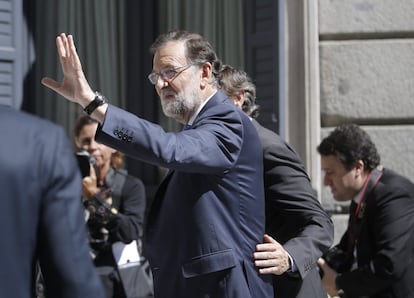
x: 63, y: 248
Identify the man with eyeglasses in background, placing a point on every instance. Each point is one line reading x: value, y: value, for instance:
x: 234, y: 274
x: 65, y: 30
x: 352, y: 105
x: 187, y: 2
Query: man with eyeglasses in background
x: 208, y: 213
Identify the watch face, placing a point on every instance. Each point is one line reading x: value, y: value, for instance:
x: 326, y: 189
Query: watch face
x: 99, y: 97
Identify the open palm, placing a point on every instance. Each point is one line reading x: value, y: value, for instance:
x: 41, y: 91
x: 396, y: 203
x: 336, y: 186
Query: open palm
x: 74, y: 85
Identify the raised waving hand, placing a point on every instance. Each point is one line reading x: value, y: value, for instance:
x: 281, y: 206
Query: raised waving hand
x: 74, y: 85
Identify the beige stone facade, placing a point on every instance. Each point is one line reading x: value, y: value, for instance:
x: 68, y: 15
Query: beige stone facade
x: 358, y: 61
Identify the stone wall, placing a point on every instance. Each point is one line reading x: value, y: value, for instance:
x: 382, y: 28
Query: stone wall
x: 366, y: 62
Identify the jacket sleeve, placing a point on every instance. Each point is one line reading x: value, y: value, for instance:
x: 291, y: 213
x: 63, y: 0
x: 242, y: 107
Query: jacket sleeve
x: 295, y: 216
x: 211, y: 147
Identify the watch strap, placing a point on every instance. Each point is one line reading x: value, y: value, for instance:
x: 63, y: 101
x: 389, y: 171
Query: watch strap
x: 95, y: 103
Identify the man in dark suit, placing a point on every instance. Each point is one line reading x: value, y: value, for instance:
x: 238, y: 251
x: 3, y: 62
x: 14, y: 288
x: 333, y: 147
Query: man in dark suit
x: 42, y: 216
x: 375, y: 257
x: 299, y: 230
x: 208, y: 213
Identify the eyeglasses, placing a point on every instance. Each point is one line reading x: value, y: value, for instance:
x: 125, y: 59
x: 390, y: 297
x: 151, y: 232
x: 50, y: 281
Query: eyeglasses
x: 168, y: 73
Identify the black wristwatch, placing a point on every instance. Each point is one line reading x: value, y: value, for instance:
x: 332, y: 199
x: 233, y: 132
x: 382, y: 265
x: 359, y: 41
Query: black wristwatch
x: 96, y: 102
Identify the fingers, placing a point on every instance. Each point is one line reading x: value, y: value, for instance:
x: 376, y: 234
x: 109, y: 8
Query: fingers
x: 74, y: 85
x: 276, y: 265
x: 265, y: 255
x: 71, y: 46
x: 67, y: 50
x: 268, y: 270
x: 50, y: 83
x: 270, y: 257
x: 89, y: 187
x: 92, y: 172
x: 266, y: 247
x: 276, y: 270
x: 73, y: 54
x: 61, y: 45
x: 269, y: 239
x: 269, y: 245
x: 267, y: 251
x: 321, y: 262
x: 270, y: 253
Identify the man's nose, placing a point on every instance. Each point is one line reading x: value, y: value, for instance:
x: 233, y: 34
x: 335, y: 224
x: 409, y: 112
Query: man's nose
x: 161, y: 83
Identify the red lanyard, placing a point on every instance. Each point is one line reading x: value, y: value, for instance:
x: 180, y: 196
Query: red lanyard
x: 361, y: 200
x: 370, y: 184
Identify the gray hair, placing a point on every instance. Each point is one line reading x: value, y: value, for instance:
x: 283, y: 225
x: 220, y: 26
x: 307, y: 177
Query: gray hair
x: 234, y: 81
x: 198, y: 49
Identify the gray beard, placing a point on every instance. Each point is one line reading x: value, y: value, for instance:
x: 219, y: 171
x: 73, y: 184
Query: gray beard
x: 181, y: 108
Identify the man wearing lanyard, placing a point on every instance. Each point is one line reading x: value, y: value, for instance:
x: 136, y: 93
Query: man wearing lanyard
x: 374, y: 257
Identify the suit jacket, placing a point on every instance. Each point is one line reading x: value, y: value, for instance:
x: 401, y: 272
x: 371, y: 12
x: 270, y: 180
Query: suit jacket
x: 42, y: 215
x: 294, y: 217
x: 385, y: 243
x: 208, y: 213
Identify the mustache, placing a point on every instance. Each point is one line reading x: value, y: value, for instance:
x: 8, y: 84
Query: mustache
x: 168, y: 92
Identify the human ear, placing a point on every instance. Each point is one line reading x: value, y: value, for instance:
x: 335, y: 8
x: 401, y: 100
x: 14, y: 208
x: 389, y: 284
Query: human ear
x: 239, y: 99
x: 206, y: 73
x: 359, y: 167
